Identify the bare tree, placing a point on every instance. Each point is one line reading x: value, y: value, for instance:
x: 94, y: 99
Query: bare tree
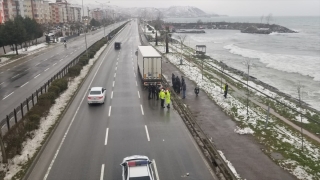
x: 269, y: 18
x: 181, y: 39
x: 261, y: 18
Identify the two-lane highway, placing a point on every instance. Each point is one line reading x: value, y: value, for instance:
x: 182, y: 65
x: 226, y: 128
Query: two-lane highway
x: 19, y: 79
x: 91, y: 141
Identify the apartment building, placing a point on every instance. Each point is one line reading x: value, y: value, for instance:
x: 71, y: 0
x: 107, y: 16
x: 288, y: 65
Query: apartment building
x: 41, y: 10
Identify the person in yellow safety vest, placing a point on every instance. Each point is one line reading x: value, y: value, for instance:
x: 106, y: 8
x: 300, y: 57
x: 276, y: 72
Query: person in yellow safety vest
x: 168, y: 100
x: 162, y: 97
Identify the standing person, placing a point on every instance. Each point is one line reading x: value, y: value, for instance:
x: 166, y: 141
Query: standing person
x: 184, y: 88
x: 162, y: 96
x: 150, y: 90
x: 196, y: 90
x: 157, y: 91
x: 225, y: 90
x: 173, y: 78
x: 182, y: 81
x: 178, y: 84
x: 154, y: 87
x: 168, y: 98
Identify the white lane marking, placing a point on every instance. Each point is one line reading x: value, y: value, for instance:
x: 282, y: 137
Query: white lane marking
x: 27, y: 69
x: 117, y: 64
x: 111, y: 94
x: 67, y: 55
x: 109, y: 111
x: 61, y: 59
x: 113, y: 84
x: 71, y: 53
x: 36, y: 76
x: 102, y: 172
x: 145, y: 126
x: 1, y: 83
x: 106, y: 140
x: 24, y: 84
x: 134, y: 74
x: 54, y: 64
x: 15, y: 76
x: 46, y: 69
x: 155, y: 169
x: 136, y: 83
x: 45, y: 59
x: 37, y: 64
x: 115, y: 74
x: 73, y: 118
x: 7, y: 96
x: 138, y: 94
x: 141, y: 109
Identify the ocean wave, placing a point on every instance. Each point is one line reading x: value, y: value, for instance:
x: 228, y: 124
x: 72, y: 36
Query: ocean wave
x: 304, y: 65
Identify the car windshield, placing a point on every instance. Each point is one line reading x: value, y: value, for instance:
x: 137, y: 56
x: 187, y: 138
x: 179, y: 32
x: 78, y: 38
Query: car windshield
x: 95, y: 92
x: 140, y: 178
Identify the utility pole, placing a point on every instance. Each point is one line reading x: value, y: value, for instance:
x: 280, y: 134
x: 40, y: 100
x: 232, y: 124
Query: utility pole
x: 299, y: 94
x: 85, y: 33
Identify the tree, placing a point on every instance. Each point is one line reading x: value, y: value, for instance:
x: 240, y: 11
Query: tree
x: 261, y: 18
x: 2, y: 38
x: 15, y: 32
x: 95, y: 23
x: 181, y: 39
x: 269, y: 18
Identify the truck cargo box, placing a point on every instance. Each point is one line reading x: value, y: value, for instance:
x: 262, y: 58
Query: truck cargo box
x: 149, y: 65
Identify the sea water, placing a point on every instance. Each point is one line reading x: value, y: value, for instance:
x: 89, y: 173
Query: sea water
x: 284, y: 61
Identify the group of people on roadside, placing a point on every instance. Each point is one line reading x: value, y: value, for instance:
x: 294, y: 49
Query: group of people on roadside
x: 156, y: 92
x: 178, y: 85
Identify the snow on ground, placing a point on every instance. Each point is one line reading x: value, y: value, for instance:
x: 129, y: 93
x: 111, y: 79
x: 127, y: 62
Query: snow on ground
x: 29, y: 49
x: 229, y: 165
x: 30, y: 146
x: 246, y: 130
x: 233, y: 106
x: 3, y: 59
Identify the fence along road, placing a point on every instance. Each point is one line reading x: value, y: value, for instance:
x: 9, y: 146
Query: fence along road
x: 14, y: 104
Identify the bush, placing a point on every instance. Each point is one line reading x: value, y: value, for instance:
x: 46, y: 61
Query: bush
x: 46, y: 99
x: 61, y: 83
x: 75, y: 70
x: 32, y: 122
x: 55, y: 90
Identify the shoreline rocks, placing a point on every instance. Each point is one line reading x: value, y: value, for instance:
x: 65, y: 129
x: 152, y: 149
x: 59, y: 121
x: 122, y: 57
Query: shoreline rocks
x: 253, y: 28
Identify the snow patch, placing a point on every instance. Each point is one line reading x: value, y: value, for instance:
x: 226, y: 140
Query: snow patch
x: 246, y: 130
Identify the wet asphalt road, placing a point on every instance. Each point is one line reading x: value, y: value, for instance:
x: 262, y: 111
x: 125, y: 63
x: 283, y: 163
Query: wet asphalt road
x: 91, y: 141
x: 19, y: 79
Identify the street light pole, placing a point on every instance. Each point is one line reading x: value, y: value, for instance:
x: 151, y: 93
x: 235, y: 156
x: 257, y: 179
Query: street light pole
x: 85, y: 34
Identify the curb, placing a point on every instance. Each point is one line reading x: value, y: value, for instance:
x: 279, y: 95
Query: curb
x: 38, y: 154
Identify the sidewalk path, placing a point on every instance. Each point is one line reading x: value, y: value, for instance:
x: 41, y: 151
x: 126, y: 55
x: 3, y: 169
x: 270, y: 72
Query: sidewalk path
x: 241, y: 150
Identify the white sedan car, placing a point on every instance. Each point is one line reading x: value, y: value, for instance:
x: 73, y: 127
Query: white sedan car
x: 97, y: 95
x: 137, y: 167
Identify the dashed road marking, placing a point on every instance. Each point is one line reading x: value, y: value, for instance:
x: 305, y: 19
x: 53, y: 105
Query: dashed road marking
x: 24, y: 84
x: 36, y: 76
x: 145, y: 126
x: 7, y: 96
x: 54, y: 64
x: 106, y: 140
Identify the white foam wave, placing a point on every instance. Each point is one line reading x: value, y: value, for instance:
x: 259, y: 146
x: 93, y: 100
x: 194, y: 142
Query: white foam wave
x: 305, y: 65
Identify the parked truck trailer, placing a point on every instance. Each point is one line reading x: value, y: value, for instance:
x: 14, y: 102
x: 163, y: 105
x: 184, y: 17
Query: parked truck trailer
x: 149, y: 65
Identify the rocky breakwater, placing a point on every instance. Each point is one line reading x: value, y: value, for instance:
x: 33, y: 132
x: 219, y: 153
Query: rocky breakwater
x: 254, y: 28
x: 266, y: 29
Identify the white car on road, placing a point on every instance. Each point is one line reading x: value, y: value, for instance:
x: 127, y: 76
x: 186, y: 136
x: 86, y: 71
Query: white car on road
x: 97, y: 95
x: 137, y: 167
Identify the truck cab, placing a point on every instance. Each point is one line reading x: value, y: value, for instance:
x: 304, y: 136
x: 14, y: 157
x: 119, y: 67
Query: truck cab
x: 117, y: 45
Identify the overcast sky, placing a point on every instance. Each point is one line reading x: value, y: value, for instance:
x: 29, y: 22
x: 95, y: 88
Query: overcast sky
x: 227, y: 7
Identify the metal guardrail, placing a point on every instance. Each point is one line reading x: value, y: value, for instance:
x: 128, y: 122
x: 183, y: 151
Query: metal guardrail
x: 208, y: 149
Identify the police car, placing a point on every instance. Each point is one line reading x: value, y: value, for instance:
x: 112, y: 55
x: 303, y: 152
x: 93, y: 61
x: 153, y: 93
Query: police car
x: 137, y: 167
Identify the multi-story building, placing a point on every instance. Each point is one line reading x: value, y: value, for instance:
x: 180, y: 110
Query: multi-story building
x: 40, y: 10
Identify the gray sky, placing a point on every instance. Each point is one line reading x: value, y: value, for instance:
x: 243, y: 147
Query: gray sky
x: 227, y: 7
